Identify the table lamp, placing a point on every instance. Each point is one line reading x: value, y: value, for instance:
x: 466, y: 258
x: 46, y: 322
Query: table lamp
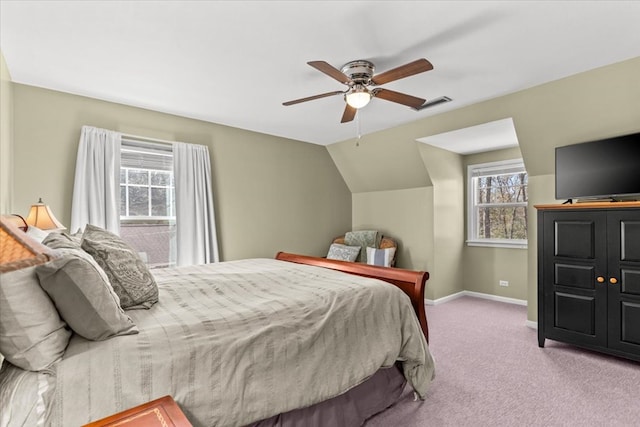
x: 40, y: 216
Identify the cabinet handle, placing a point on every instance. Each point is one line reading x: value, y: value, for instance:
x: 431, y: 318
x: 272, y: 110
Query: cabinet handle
x: 613, y: 280
x: 600, y: 279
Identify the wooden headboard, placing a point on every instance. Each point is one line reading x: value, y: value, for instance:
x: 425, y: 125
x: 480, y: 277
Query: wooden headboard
x: 410, y: 282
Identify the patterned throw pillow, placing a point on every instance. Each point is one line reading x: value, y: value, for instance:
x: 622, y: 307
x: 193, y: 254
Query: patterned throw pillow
x: 343, y: 252
x: 382, y: 257
x: 83, y: 296
x: 128, y: 274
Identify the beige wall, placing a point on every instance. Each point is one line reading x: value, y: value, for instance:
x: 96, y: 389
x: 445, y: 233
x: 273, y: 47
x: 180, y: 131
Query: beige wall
x: 385, y: 160
x: 599, y: 103
x: 271, y: 193
x: 6, y: 137
x: 395, y: 213
x: 379, y: 171
x: 445, y: 172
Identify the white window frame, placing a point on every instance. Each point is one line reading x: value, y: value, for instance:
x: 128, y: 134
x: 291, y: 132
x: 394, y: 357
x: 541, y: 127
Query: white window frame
x: 148, y: 187
x: 159, y: 150
x: 486, y: 169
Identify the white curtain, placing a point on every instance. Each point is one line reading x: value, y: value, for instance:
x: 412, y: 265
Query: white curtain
x: 96, y: 189
x: 196, y: 238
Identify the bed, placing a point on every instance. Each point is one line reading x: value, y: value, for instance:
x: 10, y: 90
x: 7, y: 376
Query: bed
x: 294, y: 340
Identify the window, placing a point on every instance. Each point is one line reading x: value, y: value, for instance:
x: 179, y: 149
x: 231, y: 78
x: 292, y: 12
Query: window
x: 147, y: 200
x: 497, y: 204
x: 146, y: 194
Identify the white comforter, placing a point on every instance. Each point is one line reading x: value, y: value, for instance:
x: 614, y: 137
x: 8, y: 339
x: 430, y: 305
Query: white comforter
x: 236, y: 342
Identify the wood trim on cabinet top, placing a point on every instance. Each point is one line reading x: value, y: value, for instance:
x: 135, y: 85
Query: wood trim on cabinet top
x: 590, y: 205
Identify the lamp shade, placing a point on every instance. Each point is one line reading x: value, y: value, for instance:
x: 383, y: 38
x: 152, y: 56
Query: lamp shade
x: 40, y: 216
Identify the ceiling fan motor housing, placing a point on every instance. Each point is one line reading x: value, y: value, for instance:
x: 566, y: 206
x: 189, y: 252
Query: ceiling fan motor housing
x: 359, y: 71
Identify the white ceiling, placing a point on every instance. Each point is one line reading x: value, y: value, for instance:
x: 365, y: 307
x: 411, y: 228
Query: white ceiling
x: 235, y: 62
x: 494, y: 135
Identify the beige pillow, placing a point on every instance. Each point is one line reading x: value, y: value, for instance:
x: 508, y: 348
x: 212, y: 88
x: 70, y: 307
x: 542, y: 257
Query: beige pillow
x: 128, y: 274
x: 83, y: 296
x: 32, y: 335
x: 59, y: 240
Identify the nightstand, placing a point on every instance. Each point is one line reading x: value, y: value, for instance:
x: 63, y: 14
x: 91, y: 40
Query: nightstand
x: 162, y: 412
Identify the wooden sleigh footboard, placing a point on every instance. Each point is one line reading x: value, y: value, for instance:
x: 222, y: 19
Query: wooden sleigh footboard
x: 410, y: 282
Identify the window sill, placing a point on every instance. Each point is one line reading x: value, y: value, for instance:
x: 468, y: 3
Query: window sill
x: 519, y: 244
x: 135, y: 221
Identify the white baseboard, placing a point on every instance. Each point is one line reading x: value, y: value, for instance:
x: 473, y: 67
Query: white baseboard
x: 476, y: 295
x: 531, y: 324
x: 444, y: 299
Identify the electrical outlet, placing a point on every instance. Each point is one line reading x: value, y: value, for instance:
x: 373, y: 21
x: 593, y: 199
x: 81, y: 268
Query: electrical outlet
x: 504, y: 283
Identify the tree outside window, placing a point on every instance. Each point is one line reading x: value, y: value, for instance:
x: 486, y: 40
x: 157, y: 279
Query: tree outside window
x: 497, y: 208
x: 146, y: 193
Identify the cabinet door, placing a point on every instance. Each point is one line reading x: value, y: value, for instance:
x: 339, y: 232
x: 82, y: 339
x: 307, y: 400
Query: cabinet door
x: 575, y: 256
x: 623, y: 229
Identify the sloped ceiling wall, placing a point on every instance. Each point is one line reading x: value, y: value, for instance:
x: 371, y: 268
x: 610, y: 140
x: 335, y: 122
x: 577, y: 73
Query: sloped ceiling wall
x: 595, y: 104
x: 382, y: 161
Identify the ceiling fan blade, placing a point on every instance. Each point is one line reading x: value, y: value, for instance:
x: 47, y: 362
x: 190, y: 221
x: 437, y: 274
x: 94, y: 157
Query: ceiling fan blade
x: 311, y: 98
x: 330, y: 71
x: 416, y: 67
x: 400, y: 98
x: 349, y: 113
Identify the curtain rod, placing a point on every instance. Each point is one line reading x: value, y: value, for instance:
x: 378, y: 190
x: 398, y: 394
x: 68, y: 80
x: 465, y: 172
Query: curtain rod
x: 145, y: 138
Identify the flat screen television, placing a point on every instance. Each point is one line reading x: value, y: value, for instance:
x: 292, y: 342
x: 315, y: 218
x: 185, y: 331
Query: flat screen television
x: 606, y: 168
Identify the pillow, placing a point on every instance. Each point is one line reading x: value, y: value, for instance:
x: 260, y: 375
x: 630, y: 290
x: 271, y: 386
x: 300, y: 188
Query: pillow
x: 58, y: 240
x: 36, y: 234
x: 383, y: 257
x: 32, y: 335
x: 364, y: 239
x: 83, y: 296
x: 128, y: 274
x: 343, y: 252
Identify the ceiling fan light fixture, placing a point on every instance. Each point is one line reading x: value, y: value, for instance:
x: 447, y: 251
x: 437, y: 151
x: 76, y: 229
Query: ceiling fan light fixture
x: 358, y: 97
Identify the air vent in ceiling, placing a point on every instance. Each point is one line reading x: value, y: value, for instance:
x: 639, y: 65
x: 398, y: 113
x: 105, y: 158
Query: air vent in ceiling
x: 434, y: 102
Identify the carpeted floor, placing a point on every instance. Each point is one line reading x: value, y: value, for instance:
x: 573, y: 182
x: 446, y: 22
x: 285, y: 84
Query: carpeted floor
x: 491, y: 372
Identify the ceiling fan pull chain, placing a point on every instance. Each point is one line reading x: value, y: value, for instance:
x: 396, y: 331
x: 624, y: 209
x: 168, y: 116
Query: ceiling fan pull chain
x: 358, y: 129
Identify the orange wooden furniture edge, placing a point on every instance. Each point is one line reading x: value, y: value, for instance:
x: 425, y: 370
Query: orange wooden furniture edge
x: 162, y: 412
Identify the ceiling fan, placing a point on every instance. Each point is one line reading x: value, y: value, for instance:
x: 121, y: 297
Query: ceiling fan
x: 358, y: 75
